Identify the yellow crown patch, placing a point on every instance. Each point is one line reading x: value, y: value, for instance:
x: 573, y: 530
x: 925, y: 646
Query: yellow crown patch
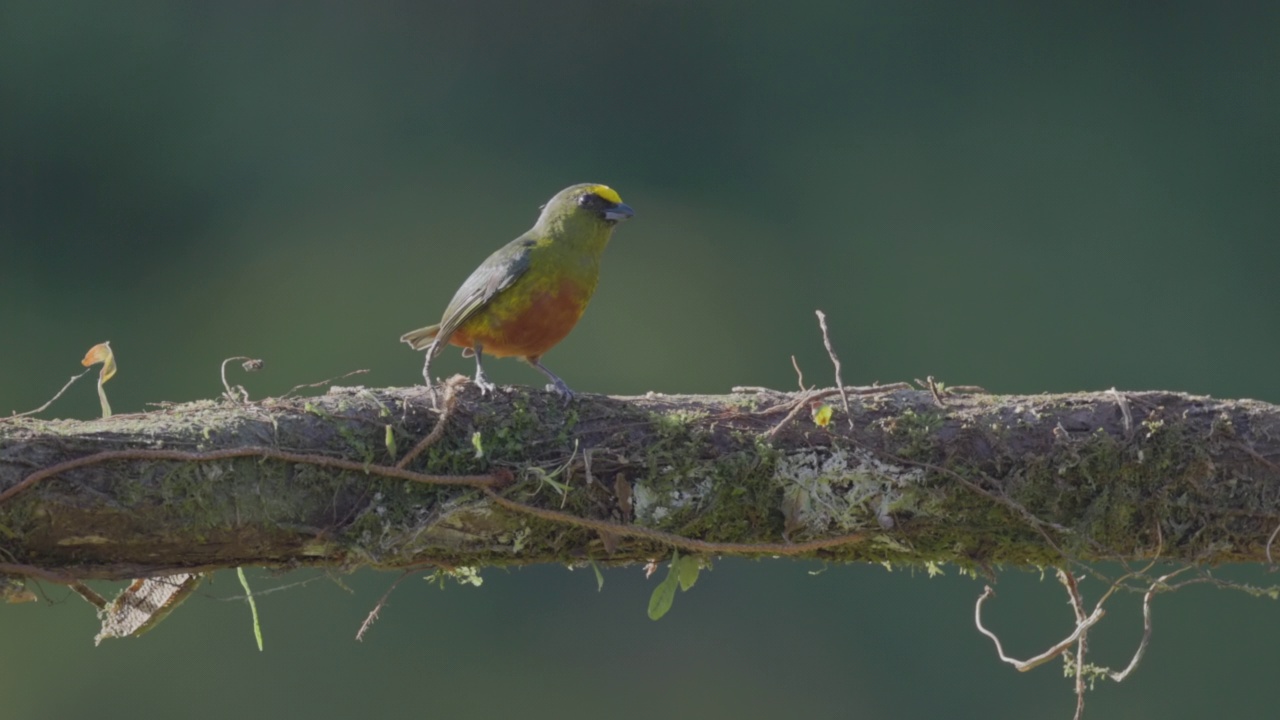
x: 605, y: 192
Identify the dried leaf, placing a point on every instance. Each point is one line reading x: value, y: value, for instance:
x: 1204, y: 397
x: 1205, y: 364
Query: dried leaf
x: 609, y: 540
x: 143, y: 604
x: 101, y: 353
x: 622, y: 490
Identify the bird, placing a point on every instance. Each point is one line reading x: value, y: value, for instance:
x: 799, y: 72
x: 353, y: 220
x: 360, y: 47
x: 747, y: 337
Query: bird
x: 528, y: 295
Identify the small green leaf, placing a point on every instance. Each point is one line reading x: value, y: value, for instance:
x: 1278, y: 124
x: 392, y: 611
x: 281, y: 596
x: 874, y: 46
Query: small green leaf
x: 665, y: 593
x: 599, y: 576
x: 253, y: 607
x: 822, y: 415
x: 663, y: 596
x: 560, y: 487
x: 687, y: 570
x: 475, y: 443
x: 391, y: 442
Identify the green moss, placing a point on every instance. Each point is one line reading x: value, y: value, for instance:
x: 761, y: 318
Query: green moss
x: 674, y: 424
x: 743, y: 501
x: 1113, y: 491
x: 913, y: 433
x: 360, y: 445
x: 690, y: 489
x: 396, y: 520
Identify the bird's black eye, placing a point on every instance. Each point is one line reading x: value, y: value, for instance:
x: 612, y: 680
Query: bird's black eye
x: 590, y: 200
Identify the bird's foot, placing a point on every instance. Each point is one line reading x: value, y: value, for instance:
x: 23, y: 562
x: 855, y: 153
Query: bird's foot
x: 557, y: 385
x: 561, y: 389
x: 430, y: 389
x: 486, y: 386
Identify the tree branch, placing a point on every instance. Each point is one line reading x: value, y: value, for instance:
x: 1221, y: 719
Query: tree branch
x: 519, y: 479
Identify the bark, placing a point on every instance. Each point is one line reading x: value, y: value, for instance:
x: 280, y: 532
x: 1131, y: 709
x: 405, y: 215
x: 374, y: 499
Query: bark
x: 980, y: 480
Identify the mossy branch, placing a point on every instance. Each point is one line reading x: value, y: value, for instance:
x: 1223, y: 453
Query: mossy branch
x: 916, y: 477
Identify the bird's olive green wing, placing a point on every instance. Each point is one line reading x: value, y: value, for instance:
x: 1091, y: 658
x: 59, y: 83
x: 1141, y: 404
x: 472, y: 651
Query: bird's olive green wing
x: 495, y: 274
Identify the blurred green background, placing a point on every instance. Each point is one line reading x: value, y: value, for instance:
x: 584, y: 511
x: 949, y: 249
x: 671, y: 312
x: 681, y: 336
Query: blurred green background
x: 1025, y: 196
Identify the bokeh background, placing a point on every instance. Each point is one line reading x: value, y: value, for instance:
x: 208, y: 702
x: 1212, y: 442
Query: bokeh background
x: 1025, y: 196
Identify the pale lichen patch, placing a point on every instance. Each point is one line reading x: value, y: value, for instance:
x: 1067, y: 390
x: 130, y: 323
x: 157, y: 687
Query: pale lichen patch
x: 841, y: 490
x: 677, y: 492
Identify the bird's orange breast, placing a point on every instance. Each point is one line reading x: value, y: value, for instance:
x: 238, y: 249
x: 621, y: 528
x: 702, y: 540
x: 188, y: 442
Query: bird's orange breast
x: 524, y: 323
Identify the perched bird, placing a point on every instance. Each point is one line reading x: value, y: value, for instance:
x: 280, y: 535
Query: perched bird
x: 528, y: 295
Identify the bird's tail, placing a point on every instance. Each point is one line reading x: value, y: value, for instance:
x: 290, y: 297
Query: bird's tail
x: 422, y: 337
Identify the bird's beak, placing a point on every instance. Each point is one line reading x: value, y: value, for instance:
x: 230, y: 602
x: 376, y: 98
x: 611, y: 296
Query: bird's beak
x: 619, y: 212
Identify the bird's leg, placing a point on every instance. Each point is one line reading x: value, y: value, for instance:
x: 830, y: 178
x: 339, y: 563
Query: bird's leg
x: 426, y: 372
x: 482, y: 381
x: 556, y: 383
x: 426, y: 364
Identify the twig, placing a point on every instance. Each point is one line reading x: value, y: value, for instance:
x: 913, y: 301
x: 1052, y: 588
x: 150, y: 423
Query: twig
x: 826, y: 341
x: 1256, y: 455
x: 477, y: 481
x: 679, y: 541
x: 828, y: 392
x: 1079, y: 687
x: 1084, y: 622
x: 270, y: 590
x: 1082, y: 644
x: 89, y: 595
x: 37, y: 572
x: 51, y: 400
x: 1123, y: 402
x: 382, y: 601
x: 250, y: 365
x: 1146, y: 624
x: 935, y: 391
x: 322, y: 383
x: 797, y: 407
x: 1270, y: 541
x: 1044, y: 657
x: 799, y: 374
x: 450, y: 402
